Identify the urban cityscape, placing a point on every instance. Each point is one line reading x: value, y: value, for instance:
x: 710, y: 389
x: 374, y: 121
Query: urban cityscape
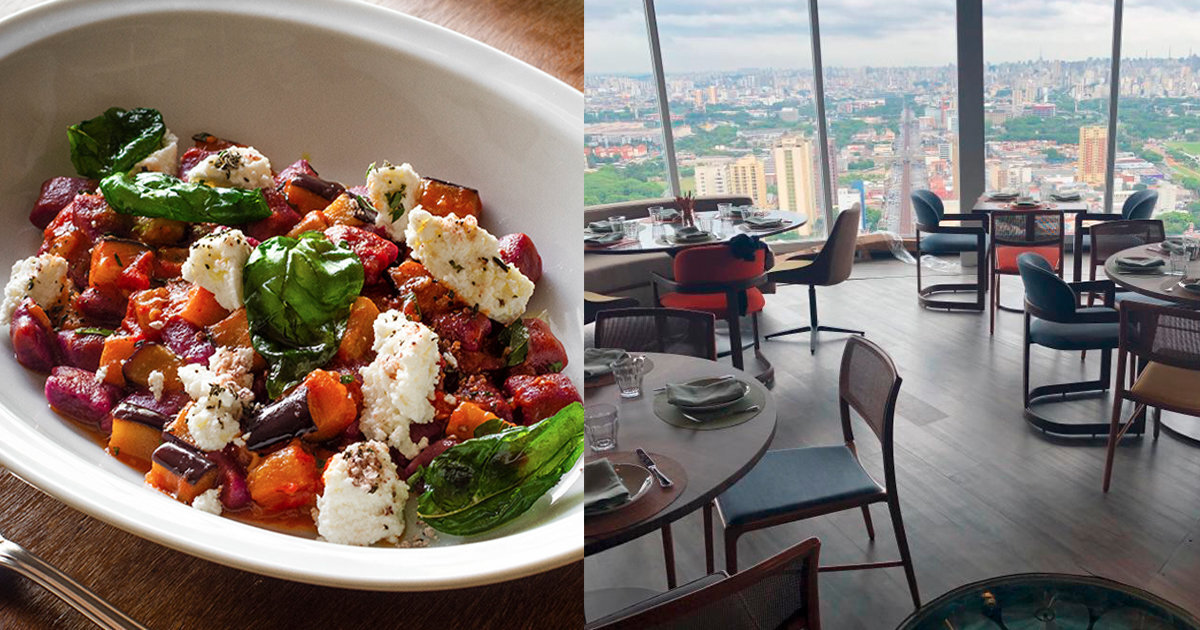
x: 752, y: 132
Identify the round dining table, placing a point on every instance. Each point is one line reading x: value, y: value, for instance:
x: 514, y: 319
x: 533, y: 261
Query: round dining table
x: 712, y: 460
x: 657, y: 237
x: 1163, y: 286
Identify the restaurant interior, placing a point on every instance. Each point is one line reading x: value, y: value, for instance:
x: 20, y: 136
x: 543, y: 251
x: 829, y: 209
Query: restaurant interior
x: 893, y: 314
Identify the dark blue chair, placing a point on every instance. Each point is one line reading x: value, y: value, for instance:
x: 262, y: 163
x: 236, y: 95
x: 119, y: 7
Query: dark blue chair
x: 1054, y: 319
x: 937, y: 239
x: 1139, y: 205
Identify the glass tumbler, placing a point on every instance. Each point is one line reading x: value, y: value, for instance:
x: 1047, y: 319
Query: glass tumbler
x: 628, y: 374
x: 600, y: 427
x: 1179, y: 261
x: 657, y: 214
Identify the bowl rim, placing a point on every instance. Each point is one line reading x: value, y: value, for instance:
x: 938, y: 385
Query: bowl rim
x: 391, y: 569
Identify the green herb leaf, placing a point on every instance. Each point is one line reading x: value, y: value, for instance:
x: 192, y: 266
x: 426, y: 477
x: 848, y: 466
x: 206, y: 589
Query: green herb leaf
x: 557, y: 366
x: 395, y: 201
x: 495, y: 425
x: 515, y: 338
x: 93, y: 331
x: 487, y: 481
x: 298, y: 296
x: 162, y: 196
x: 115, y: 141
x: 346, y: 379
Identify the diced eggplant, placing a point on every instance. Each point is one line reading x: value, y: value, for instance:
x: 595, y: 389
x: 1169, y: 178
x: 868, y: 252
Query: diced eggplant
x: 281, y: 421
x: 425, y: 456
x: 141, y: 415
x: 325, y: 189
x: 181, y: 471
x: 81, y: 350
x: 169, y: 404
x: 33, y: 339
x: 150, y: 358
x: 78, y: 394
x: 235, y: 493
x: 188, y: 341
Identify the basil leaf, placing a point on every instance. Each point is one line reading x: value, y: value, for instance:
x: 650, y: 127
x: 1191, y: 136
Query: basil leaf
x: 161, y: 196
x: 94, y: 331
x: 495, y: 425
x: 485, y: 482
x: 115, y: 141
x: 515, y: 338
x: 298, y: 293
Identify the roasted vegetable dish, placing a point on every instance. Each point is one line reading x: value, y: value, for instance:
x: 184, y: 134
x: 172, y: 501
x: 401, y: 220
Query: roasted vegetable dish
x: 286, y: 349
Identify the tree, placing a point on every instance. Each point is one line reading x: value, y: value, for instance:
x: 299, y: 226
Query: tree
x: 1176, y: 222
x: 610, y: 184
x: 861, y: 165
x: 1054, y: 156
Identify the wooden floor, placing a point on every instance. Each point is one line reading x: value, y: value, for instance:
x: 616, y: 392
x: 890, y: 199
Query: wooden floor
x: 983, y: 493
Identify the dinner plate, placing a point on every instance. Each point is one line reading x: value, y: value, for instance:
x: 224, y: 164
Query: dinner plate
x: 344, y: 84
x: 637, y: 481
x: 714, y: 406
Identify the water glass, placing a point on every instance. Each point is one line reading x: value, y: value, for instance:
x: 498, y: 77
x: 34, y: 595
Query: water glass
x: 600, y: 427
x: 1179, y: 261
x: 657, y: 214
x: 630, y: 228
x: 725, y: 211
x: 617, y: 222
x: 704, y: 221
x: 628, y: 374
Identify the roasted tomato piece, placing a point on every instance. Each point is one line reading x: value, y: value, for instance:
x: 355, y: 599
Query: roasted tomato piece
x: 479, y: 390
x: 298, y: 167
x: 543, y: 352
x: 443, y: 198
x: 518, y: 250
x: 56, y: 193
x: 539, y: 397
x: 211, y: 143
x: 465, y: 326
x: 191, y: 158
x: 375, y: 252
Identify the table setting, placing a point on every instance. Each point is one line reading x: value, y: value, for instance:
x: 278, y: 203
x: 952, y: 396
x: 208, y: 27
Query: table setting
x: 1168, y: 270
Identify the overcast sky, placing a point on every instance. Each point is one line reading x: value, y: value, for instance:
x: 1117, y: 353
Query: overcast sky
x: 699, y: 35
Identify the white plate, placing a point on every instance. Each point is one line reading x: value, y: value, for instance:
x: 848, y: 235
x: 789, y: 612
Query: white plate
x: 344, y: 84
x: 636, y: 480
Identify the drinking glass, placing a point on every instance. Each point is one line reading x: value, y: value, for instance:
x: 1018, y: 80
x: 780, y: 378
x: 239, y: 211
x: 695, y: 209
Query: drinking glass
x: 704, y: 221
x: 600, y: 427
x: 657, y: 214
x: 1179, y: 260
x: 628, y: 374
x: 630, y: 228
x: 616, y: 222
x: 725, y: 211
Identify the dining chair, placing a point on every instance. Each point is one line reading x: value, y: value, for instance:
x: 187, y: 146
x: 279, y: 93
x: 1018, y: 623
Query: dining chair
x: 1054, y: 319
x: 1111, y: 237
x: 1015, y: 232
x: 667, y: 330
x: 779, y: 592
x: 712, y: 279
x: 1139, y: 205
x: 1165, y: 341
x: 593, y: 303
x: 831, y: 266
x: 942, y: 239
x: 800, y: 483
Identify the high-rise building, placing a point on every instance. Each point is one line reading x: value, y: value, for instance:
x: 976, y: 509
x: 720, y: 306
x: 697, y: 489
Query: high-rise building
x: 1093, y: 146
x: 711, y: 178
x: 794, y: 176
x: 747, y: 176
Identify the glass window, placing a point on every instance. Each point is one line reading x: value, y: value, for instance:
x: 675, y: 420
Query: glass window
x: 623, y: 139
x: 1046, y: 97
x: 740, y: 86
x: 1158, y: 133
x: 892, y: 107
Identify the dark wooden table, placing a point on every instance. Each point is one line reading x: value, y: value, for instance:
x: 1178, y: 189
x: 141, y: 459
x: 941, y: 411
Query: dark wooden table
x: 713, y: 459
x: 653, y: 237
x: 168, y: 589
x: 1163, y: 286
x: 1073, y: 208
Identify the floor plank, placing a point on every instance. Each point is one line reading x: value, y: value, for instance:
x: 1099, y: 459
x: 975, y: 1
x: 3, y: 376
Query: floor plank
x: 983, y: 493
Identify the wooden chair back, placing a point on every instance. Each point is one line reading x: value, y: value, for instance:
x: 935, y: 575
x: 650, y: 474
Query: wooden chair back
x: 870, y: 385
x: 1162, y: 334
x: 1027, y: 228
x: 1110, y: 237
x: 668, y: 330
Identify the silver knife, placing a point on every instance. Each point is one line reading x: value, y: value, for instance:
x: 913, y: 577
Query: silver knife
x: 663, y: 480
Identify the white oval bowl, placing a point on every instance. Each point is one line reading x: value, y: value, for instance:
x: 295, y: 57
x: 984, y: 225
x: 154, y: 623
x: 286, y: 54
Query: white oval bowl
x: 343, y: 84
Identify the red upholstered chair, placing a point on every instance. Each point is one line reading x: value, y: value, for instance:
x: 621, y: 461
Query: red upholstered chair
x: 1014, y: 232
x: 711, y: 279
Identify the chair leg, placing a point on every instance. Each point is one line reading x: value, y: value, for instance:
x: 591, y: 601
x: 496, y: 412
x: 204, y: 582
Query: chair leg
x: 735, y: 329
x: 754, y: 325
x: 905, y: 555
x: 731, y: 539
x: 669, y: 555
x: 1025, y: 364
x: 866, y: 510
x: 994, y: 301
x: 1115, y: 423
x: 812, y: 319
x: 709, y: 562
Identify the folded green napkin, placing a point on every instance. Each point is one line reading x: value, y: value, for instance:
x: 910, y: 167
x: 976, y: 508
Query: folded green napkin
x: 1173, y: 246
x: 1065, y: 197
x: 1140, y: 262
x: 602, y: 239
x: 598, y: 361
x: 1002, y: 196
x: 692, y: 395
x: 604, y: 226
x: 602, y: 488
x: 689, y: 234
x: 670, y: 214
x: 764, y: 222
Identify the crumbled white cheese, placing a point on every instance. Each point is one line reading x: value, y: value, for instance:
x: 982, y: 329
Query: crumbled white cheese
x: 423, y: 537
x: 42, y: 278
x: 466, y: 257
x: 236, y: 167
x: 208, y: 501
x: 451, y: 360
x: 155, y: 381
x: 394, y: 191
x: 399, y: 383
x: 220, y: 392
x: 363, y: 499
x: 215, y: 262
x: 164, y: 160
x: 102, y: 373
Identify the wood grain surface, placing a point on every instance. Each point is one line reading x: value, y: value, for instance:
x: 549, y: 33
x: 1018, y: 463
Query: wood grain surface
x: 167, y: 589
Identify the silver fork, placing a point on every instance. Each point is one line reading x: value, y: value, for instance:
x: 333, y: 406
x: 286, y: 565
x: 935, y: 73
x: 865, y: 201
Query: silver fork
x: 63, y: 586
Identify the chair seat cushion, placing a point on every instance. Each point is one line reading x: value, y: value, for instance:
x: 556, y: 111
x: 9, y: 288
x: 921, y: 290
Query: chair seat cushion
x: 950, y: 243
x: 796, y: 479
x: 711, y: 302
x: 1061, y: 336
x: 1171, y: 386
x: 1006, y: 256
x: 661, y: 598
